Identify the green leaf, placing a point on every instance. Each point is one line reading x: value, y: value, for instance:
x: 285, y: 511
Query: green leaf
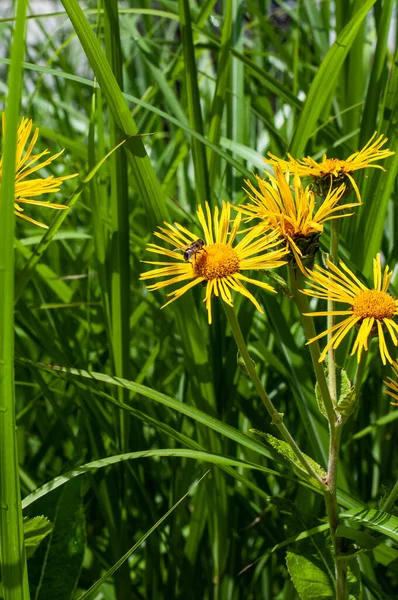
x: 286, y: 451
x: 309, y: 578
x: 111, y: 460
x: 242, y: 365
x: 312, y: 578
x: 347, y: 398
x: 375, y: 519
x: 55, y: 567
x: 35, y: 530
x: 324, y: 81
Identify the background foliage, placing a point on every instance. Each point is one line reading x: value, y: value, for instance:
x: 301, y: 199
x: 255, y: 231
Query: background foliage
x: 202, y: 90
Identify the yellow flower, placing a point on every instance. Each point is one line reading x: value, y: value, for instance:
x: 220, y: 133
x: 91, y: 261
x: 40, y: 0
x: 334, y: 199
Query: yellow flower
x: 332, y: 171
x: 373, y: 310
x: 216, y: 260
x: 28, y: 163
x: 296, y: 217
x: 393, y: 385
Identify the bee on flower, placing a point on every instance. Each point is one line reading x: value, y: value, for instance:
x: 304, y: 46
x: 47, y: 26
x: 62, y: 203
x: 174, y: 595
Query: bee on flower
x: 216, y: 260
x: 330, y: 173
x: 27, y: 189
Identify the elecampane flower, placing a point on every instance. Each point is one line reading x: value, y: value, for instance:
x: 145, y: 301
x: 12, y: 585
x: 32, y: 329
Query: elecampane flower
x: 27, y: 163
x: 333, y: 169
x: 296, y: 216
x: 217, y: 260
x: 393, y: 385
x: 372, y: 310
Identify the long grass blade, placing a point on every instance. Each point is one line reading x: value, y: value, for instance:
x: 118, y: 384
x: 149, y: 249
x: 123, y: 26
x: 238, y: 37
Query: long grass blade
x: 13, y: 557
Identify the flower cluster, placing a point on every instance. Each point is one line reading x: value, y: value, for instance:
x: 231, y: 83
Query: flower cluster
x: 289, y: 217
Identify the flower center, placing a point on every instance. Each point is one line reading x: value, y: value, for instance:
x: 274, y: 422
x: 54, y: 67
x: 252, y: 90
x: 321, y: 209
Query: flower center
x: 289, y: 229
x: 374, y: 303
x: 331, y: 165
x: 216, y: 261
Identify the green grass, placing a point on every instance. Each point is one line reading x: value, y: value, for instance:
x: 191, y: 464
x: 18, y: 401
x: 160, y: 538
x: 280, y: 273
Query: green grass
x: 122, y: 407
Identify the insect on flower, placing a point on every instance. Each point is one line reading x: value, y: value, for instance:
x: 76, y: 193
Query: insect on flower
x: 217, y: 261
x: 190, y: 250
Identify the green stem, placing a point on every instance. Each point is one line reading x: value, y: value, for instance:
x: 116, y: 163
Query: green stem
x: 333, y: 510
x: 297, y: 283
x: 332, y: 507
x: 13, y: 558
x: 389, y: 503
x: 274, y: 414
x: 328, y: 393
x: 334, y: 245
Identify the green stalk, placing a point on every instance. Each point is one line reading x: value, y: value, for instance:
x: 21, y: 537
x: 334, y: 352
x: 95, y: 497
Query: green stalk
x: 13, y: 558
x: 334, y: 245
x: 335, y: 422
x: 335, y: 439
x: 333, y: 510
x: 274, y: 414
x: 296, y: 283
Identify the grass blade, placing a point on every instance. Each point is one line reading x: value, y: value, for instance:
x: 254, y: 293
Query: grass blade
x: 13, y: 557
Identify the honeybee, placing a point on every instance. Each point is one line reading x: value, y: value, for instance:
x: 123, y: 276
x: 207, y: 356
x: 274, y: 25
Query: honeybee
x: 191, y: 250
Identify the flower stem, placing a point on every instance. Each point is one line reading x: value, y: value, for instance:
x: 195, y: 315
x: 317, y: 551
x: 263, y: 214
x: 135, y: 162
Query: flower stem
x: 333, y: 510
x: 13, y: 558
x: 334, y: 244
x: 297, y: 282
x: 274, y: 414
x: 335, y: 426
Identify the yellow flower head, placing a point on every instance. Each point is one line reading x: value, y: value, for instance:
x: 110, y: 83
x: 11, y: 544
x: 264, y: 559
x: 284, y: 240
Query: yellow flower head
x: 331, y: 171
x: 28, y: 163
x: 296, y: 216
x: 373, y: 310
x: 393, y: 385
x: 216, y: 260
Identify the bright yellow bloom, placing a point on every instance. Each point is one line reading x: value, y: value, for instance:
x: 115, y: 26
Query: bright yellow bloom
x: 28, y: 163
x: 333, y: 170
x: 216, y: 260
x: 373, y: 310
x: 297, y: 217
x: 393, y: 385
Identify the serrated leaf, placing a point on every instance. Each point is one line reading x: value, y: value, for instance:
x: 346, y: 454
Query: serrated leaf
x: 312, y: 578
x: 309, y: 579
x: 35, y: 530
x: 286, y: 451
x: 345, y: 391
x: 319, y: 400
x: 347, y: 398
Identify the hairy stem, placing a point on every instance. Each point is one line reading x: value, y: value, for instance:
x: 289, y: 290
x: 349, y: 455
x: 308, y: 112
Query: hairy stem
x: 329, y: 397
x: 275, y: 415
x: 334, y: 243
x: 297, y: 283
